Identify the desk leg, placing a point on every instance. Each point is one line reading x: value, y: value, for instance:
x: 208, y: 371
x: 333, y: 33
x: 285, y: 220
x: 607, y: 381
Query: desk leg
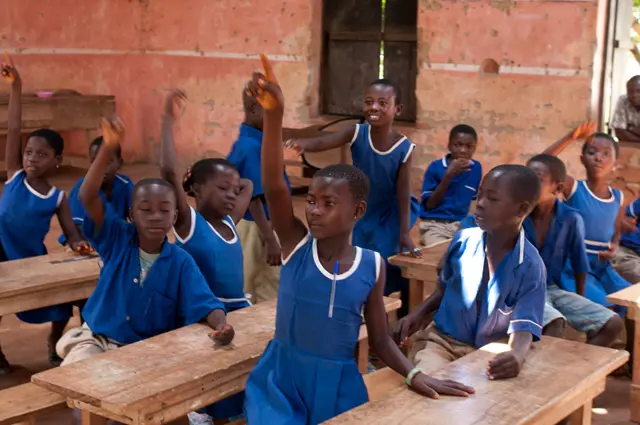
x: 363, y: 355
x: 89, y: 418
x: 635, y: 380
x: 416, y: 293
x: 582, y: 416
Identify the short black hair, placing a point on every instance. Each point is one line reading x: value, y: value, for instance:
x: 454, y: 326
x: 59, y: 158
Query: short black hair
x: 148, y: 182
x: 98, y: 141
x: 202, y: 171
x: 600, y: 135
x: 358, y: 181
x: 523, y: 184
x: 464, y: 129
x: 633, y: 80
x: 388, y: 83
x: 556, y: 167
x: 53, y: 138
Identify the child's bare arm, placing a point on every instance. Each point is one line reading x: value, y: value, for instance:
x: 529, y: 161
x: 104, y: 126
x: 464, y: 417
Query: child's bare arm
x: 274, y: 251
x: 89, y: 194
x: 410, y: 324
x: 508, y: 364
x: 608, y: 254
x: 243, y: 200
x: 323, y: 143
x: 14, y: 134
x: 288, y: 228
x: 403, y: 191
x: 168, y: 165
x: 626, y: 135
x: 390, y: 354
x: 69, y: 228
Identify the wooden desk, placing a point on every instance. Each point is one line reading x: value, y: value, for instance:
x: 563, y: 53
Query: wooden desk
x: 630, y: 297
x: 421, y: 272
x: 560, y: 378
x: 46, y: 280
x: 165, y: 377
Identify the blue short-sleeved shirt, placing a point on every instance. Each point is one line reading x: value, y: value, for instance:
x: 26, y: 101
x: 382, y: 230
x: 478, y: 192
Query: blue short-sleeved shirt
x: 564, y: 242
x: 632, y: 240
x: 245, y: 155
x: 173, y: 294
x: 120, y: 202
x: 513, y: 301
x: 461, y: 191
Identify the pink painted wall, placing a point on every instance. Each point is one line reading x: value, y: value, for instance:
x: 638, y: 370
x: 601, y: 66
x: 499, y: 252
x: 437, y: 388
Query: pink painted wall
x: 137, y: 50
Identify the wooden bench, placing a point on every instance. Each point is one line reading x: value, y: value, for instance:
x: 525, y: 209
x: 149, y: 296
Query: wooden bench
x: 165, y: 377
x: 22, y: 403
x: 46, y: 280
x: 560, y: 379
x: 630, y: 298
x: 421, y: 272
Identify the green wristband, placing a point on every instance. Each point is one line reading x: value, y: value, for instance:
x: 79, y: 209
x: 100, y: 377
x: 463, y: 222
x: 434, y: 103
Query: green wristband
x: 412, y: 374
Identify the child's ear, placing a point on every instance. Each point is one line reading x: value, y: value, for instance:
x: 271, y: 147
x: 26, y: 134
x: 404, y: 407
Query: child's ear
x: 131, y: 218
x: 559, y: 187
x: 399, y: 109
x: 195, y: 189
x: 525, y: 209
x: 175, y: 216
x: 58, y: 161
x: 361, y: 208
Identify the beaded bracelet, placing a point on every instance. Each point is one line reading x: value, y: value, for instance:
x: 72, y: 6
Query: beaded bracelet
x: 412, y: 374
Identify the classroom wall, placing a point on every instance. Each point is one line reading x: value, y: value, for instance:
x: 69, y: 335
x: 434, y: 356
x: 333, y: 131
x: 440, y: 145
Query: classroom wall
x: 138, y: 49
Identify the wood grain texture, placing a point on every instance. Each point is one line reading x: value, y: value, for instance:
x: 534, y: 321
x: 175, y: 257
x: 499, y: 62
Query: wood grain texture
x: 558, y: 378
x: 163, y: 378
x: 23, y: 402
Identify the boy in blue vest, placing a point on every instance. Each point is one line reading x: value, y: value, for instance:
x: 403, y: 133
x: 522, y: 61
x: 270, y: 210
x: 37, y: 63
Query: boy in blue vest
x: 449, y: 186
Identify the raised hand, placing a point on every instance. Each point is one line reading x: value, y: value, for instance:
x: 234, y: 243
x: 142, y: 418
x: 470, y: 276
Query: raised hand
x: 584, y: 130
x: 9, y: 71
x: 175, y: 103
x: 112, y: 131
x: 265, y: 88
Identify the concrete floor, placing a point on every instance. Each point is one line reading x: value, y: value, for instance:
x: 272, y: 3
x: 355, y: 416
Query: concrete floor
x: 25, y: 345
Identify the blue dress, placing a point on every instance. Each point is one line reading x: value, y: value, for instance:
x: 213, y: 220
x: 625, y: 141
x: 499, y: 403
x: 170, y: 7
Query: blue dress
x: 599, y: 216
x: 379, y: 229
x: 221, y: 263
x: 25, y: 216
x: 308, y: 373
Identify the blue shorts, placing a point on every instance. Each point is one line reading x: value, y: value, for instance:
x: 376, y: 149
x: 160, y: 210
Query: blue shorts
x: 582, y: 314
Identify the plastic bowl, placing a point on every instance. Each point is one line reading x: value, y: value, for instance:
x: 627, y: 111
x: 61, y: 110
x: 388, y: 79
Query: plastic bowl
x: 44, y: 94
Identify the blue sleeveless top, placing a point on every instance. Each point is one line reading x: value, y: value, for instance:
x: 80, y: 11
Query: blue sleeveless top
x: 599, y: 215
x: 25, y: 217
x: 379, y: 229
x: 219, y: 260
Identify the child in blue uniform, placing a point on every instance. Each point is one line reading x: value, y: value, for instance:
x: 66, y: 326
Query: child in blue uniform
x: 449, y: 186
x: 29, y: 202
x: 507, y: 298
x: 147, y: 285
x: 115, y: 190
x: 208, y: 232
x: 600, y: 208
x: 557, y: 231
x: 308, y: 372
x: 627, y: 259
x: 261, y: 249
x: 384, y: 155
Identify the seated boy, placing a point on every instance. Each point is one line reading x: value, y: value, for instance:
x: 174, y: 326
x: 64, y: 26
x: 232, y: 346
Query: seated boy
x: 260, y: 247
x: 626, y: 118
x: 557, y: 231
x: 627, y: 259
x: 492, y: 284
x: 449, y: 186
x: 115, y: 189
x: 147, y: 285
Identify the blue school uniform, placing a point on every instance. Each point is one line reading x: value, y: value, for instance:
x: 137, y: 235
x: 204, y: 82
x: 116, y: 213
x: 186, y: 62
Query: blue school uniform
x: 123, y: 308
x: 120, y: 202
x: 379, y: 229
x: 221, y: 262
x: 456, y: 201
x: 25, y: 216
x: 512, y: 302
x: 599, y: 217
x: 632, y: 240
x: 308, y: 373
x: 245, y: 155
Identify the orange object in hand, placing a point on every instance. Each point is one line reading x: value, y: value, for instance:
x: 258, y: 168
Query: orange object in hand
x: 266, y: 100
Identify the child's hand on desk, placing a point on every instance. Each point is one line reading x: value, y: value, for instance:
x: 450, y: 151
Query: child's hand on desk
x: 9, y: 71
x: 407, y: 243
x: 504, y: 366
x: 265, y: 88
x: 223, y: 334
x: 81, y: 247
x: 458, y: 166
x: 112, y: 131
x: 175, y: 103
x: 432, y: 388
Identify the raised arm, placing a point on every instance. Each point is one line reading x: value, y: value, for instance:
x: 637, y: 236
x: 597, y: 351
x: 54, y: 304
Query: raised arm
x: 288, y: 228
x: 325, y: 142
x: 173, y: 107
x: 243, y: 200
x: 390, y: 354
x: 14, y: 135
x: 112, y: 132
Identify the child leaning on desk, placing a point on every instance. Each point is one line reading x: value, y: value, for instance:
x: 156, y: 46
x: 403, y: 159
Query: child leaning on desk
x: 147, y: 286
